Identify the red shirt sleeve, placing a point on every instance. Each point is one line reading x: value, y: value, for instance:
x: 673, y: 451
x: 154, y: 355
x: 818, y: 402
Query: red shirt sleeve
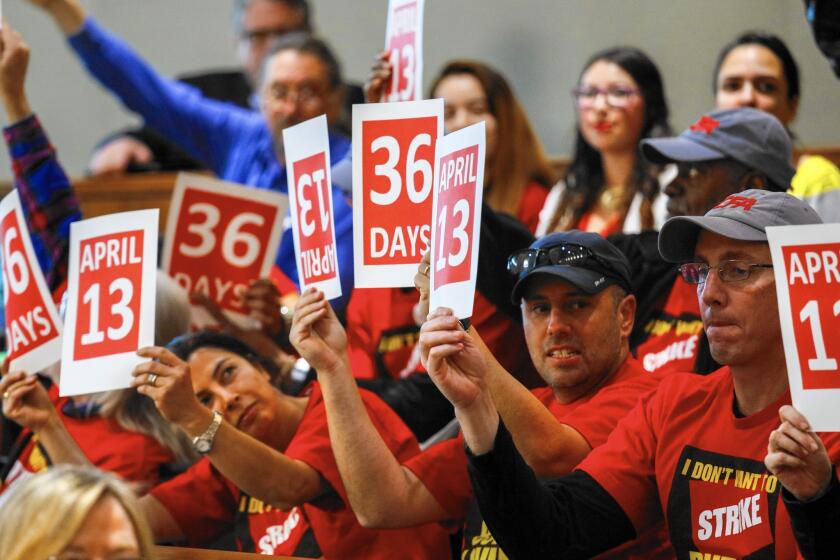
x: 442, y: 469
x: 201, y: 501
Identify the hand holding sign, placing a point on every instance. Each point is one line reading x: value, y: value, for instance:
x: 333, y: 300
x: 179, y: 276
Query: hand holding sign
x: 33, y: 328
x: 111, y: 300
x: 806, y: 262
x: 310, y: 195
x: 392, y: 182
x: 221, y: 236
x: 457, y: 219
x: 404, y: 43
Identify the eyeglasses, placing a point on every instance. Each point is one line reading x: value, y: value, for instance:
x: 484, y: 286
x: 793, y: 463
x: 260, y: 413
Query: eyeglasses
x: 617, y: 97
x: 728, y: 271
x: 565, y: 253
x: 304, y: 94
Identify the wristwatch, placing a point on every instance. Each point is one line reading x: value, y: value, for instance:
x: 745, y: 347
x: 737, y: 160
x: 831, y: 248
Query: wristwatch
x: 204, y: 443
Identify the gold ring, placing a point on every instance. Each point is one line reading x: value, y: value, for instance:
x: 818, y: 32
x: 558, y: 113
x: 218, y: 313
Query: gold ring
x: 426, y: 270
x: 151, y: 379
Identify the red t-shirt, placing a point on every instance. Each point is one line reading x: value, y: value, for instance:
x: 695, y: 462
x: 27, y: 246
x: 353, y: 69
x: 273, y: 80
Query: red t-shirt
x: 443, y: 467
x: 205, y: 504
x: 673, y: 332
x: 683, y: 454
x: 131, y: 455
x: 532, y: 201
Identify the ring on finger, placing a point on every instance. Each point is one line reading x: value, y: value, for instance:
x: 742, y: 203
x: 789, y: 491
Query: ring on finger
x: 5, y: 395
x: 152, y: 379
x: 426, y: 270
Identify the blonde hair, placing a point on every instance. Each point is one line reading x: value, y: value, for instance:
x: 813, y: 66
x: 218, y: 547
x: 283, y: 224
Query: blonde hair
x: 45, y: 512
x: 137, y: 413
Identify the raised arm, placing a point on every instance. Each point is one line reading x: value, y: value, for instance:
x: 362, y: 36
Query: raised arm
x: 45, y: 191
x: 202, y: 127
x: 365, y: 463
x: 256, y: 468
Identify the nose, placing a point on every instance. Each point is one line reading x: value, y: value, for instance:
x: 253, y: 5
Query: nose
x: 746, y: 97
x: 675, y: 188
x: 228, y: 400
x: 557, y: 325
x: 458, y: 121
x: 713, y: 291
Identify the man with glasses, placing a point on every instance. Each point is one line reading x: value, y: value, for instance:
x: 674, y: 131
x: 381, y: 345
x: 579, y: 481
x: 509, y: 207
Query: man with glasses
x: 724, y: 152
x: 577, y: 311
x: 301, y: 79
x: 691, y: 453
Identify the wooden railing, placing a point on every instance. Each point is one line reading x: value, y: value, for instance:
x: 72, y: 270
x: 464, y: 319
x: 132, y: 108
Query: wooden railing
x: 106, y: 195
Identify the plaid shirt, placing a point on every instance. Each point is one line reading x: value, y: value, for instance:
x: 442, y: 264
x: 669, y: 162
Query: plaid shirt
x: 47, y: 196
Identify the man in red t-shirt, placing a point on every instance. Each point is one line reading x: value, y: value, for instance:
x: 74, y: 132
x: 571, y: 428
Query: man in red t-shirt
x: 268, y: 475
x: 577, y: 314
x: 691, y: 453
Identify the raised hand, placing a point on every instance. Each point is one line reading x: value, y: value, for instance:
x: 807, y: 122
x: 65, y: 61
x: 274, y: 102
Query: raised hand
x: 14, y: 61
x: 318, y: 335
x: 166, y: 379
x: 376, y: 87
x: 262, y: 301
x: 422, y: 283
x: 118, y: 154
x: 68, y: 14
x: 797, y: 456
x: 453, y: 360
x: 26, y: 402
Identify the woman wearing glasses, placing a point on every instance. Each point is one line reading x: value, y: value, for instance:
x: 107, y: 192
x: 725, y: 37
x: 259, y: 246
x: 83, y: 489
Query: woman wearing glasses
x: 74, y: 513
x: 609, y: 188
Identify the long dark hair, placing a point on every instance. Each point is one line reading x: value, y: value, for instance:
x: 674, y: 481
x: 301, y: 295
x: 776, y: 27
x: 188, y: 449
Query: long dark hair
x: 585, y: 176
x: 184, y: 346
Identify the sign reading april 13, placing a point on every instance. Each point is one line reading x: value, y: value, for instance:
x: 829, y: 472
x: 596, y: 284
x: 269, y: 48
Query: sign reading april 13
x: 310, y: 195
x: 393, y: 159
x: 457, y: 219
x: 111, y: 300
x: 219, y: 237
x: 33, y: 328
x: 404, y: 43
x: 806, y: 262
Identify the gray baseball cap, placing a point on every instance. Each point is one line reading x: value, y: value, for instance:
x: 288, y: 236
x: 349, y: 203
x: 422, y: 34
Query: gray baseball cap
x: 749, y: 136
x: 742, y: 216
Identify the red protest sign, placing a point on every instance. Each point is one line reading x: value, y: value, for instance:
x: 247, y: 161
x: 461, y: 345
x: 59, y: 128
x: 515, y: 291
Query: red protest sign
x: 806, y: 265
x: 307, y: 151
x: 392, y: 186
x: 814, y: 288
x: 220, y: 236
x: 110, y: 281
x: 404, y: 43
x: 33, y: 329
x: 457, y: 219
x: 110, y: 300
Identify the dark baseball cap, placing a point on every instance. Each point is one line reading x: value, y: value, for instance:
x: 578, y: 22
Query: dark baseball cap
x: 742, y: 216
x: 749, y: 136
x: 584, y: 259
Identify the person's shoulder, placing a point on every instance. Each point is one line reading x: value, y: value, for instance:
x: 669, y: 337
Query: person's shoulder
x: 693, y: 384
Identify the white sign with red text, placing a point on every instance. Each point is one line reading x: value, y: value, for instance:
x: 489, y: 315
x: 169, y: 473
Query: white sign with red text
x: 33, y: 327
x: 219, y: 237
x: 310, y: 197
x: 393, y: 173
x: 806, y: 263
x: 111, y: 287
x: 459, y: 188
x: 404, y: 43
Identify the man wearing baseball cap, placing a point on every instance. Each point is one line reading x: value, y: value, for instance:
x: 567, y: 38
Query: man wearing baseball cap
x: 724, y: 152
x: 577, y: 310
x: 691, y: 453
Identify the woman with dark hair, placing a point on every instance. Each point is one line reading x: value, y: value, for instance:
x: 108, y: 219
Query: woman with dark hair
x: 758, y: 70
x: 609, y: 187
x: 517, y: 173
x: 269, y: 475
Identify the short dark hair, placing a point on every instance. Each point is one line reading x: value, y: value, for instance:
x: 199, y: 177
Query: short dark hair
x: 772, y: 43
x: 302, y: 7
x: 184, y: 346
x: 304, y: 42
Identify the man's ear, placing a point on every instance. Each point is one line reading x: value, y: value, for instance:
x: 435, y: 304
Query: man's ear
x: 627, y: 314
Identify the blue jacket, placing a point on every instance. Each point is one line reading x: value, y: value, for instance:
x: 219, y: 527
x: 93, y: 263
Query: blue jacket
x: 233, y: 142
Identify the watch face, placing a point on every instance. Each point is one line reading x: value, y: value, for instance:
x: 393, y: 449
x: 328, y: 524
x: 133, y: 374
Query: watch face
x: 203, y: 446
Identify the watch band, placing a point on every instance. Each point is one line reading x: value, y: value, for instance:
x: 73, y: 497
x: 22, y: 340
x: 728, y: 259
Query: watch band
x: 204, y: 443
